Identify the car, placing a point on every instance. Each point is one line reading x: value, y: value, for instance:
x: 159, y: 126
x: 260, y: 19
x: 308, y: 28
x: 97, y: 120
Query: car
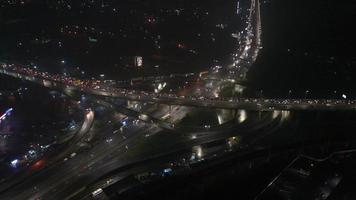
x: 97, y: 193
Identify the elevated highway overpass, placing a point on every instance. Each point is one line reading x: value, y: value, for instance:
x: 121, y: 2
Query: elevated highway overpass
x: 257, y: 104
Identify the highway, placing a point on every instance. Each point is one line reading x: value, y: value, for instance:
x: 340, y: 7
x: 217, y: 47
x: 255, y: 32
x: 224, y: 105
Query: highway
x: 58, y: 181
x: 8, y: 182
x: 74, y: 168
x: 184, y: 144
x: 256, y: 104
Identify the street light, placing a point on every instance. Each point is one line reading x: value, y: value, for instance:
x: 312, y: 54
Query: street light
x: 306, y: 93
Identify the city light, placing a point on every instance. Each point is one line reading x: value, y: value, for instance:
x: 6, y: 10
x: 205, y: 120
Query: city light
x: 14, y: 163
x: 138, y: 61
x: 242, y: 116
x: 138, y: 91
x: 6, y: 114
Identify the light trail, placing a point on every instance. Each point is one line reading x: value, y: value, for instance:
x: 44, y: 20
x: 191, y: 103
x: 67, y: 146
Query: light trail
x: 7, y: 113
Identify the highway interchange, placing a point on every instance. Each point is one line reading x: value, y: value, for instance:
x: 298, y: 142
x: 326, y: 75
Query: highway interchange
x: 127, y: 136
x: 66, y: 177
